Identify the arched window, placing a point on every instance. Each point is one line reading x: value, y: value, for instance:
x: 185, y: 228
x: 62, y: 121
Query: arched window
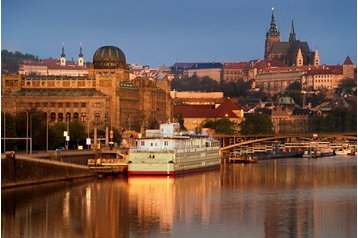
x: 68, y: 116
x: 75, y: 116
x: 60, y: 116
x: 97, y: 117
x: 83, y: 116
x: 53, y: 116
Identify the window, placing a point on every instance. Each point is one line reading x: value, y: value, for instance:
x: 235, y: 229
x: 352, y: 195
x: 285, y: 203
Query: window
x: 53, y: 116
x: 60, y: 116
x: 83, y: 116
x: 142, y: 143
x: 68, y: 116
x: 83, y: 104
x: 75, y: 116
x: 97, y: 117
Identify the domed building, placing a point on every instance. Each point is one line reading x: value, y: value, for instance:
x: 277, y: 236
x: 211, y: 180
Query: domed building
x: 109, y: 57
x: 106, y: 98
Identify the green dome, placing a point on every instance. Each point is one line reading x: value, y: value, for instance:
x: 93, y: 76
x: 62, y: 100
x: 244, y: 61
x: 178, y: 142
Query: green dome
x: 109, y: 57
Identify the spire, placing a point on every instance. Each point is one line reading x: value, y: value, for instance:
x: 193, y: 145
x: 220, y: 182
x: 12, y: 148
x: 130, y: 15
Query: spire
x: 316, y: 58
x: 80, y: 55
x: 63, y: 56
x: 63, y: 50
x: 292, y: 33
x: 273, y: 27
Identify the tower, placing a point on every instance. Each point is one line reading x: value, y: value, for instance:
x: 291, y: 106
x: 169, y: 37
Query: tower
x: 292, y: 36
x: 299, y: 58
x: 63, y: 56
x: 272, y: 35
x: 316, y: 58
x: 80, y: 57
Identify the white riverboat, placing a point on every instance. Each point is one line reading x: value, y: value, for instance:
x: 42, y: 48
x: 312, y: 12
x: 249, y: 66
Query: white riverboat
x: 168, y: 152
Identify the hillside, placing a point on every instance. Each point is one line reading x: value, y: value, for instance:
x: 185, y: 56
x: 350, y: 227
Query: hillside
x: 10, y: 60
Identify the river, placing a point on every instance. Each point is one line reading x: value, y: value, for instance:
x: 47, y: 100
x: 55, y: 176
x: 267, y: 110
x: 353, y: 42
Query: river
x: 295, y: 197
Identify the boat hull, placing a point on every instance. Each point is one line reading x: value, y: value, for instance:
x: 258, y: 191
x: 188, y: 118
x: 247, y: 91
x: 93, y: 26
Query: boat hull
x: 170, y: 163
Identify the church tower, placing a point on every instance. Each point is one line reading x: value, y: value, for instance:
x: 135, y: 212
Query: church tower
x: 63, y: 56
x: 316, y: 58
x: 80, y: 57
x: 292, y: 36
x: 299, y: 58
x: 272, y: 35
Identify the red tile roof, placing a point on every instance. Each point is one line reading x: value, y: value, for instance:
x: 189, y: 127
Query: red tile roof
x: 207, y: 111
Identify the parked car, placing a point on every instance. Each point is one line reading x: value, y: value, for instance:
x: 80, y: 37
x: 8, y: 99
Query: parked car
x: 60, y: 148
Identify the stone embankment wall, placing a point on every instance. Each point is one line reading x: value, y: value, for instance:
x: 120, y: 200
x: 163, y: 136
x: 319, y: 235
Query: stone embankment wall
x: 24, y: 170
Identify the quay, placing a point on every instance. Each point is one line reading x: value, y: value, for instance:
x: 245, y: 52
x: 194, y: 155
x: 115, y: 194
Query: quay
x: 20, y: 169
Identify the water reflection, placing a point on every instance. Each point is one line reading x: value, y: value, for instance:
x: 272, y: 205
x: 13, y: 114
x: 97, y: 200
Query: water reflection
x: 282, y: 198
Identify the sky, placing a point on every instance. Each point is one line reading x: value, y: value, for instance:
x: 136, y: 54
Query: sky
x: 162, y: 32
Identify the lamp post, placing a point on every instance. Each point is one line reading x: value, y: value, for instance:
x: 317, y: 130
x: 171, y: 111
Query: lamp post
x: 27, y: 131
x: 4, y: 132
x: 67, y: 134
x: 31, y: 133
x: 46, y: 131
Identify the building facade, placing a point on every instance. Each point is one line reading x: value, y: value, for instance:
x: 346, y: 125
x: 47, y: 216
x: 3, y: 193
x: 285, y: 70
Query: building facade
x: 55, y: 67
x: 106, y: 97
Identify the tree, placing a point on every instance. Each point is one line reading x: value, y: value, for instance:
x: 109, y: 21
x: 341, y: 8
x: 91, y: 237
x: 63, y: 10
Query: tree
x: 77, y: 131
x: 180, y: 119
x: 294, y: 90
x: 256, y: 123
x: 221, y: 126
x: 224, y: 126
x: 56, y: 137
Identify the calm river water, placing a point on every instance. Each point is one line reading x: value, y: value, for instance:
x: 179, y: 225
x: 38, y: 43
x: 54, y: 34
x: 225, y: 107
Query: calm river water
x: 278, y: 198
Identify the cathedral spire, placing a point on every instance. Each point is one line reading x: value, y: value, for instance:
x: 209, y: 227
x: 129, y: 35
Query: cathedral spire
x: 273, y: 27
x: 292, y: 33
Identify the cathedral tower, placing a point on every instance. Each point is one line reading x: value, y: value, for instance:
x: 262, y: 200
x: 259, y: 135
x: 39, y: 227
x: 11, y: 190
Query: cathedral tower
x: 292, y: 36
x: 272, y: 35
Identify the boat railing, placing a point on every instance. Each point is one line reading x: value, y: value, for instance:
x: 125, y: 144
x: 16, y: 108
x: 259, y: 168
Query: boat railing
x: 177, y: 149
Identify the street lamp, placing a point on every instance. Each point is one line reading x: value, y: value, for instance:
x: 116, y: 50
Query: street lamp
x: 27, y: 131
x: 4, y: 131
x: 31, y: 133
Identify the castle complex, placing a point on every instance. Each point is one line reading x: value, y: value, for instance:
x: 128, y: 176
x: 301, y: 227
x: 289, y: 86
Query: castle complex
x: 291, y: 53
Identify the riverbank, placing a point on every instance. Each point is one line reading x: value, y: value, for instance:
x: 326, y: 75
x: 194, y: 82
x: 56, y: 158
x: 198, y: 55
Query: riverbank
x: 23, y: 170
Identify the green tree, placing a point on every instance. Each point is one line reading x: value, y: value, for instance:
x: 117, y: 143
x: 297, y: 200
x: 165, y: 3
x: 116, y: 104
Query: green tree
x: 256, y: 123
x: 77, y: 132
x: 294, y: 90
x: 180, y: 119
x: 224, y: 126
x: 221, y: 126
x: 56, y: 137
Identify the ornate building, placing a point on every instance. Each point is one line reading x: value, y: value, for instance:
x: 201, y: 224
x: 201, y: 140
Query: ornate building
x: 54, y: 67
x: 293, y: 52
x: 105, y: 97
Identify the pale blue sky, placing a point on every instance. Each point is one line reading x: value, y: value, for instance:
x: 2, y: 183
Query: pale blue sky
x: 161, y: 32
